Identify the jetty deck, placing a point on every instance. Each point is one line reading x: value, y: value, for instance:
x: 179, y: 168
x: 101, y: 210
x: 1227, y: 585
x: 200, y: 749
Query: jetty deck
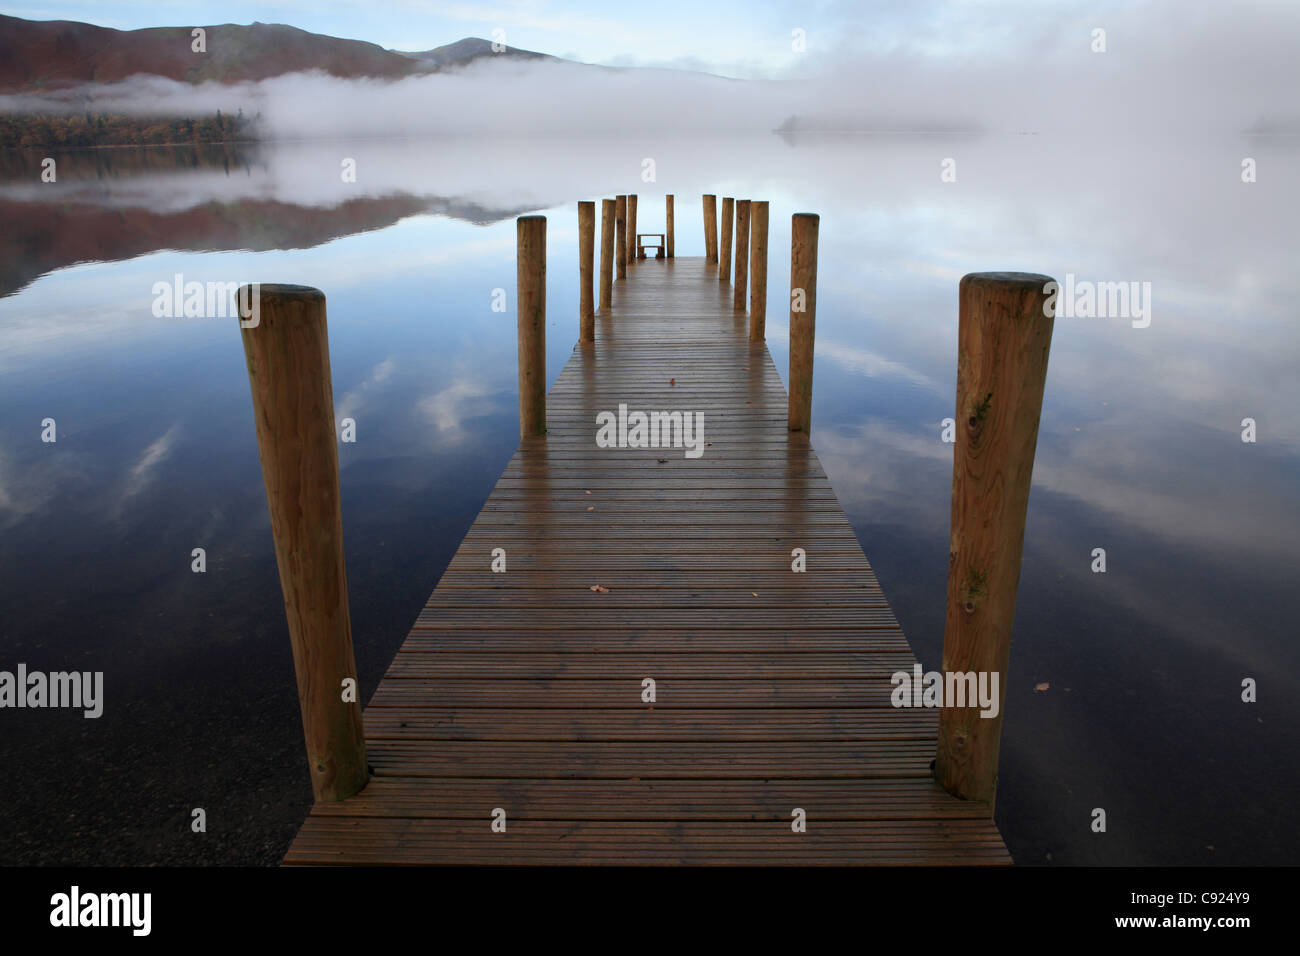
x: 524, y: 691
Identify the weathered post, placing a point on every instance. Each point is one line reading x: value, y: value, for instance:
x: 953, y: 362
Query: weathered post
x: 531, y: 295
x: 724, y: 253
x: 803, y: 316
x: 631, y: 228
x: 742, y: 254
x: 1004, y: 333
x: 287, y: 353
x: 758, y: 271
x: 620, y: 239
x: 606, y: 254
x: 586, y: 257
x: 711, y: 227
x: 668, y: 225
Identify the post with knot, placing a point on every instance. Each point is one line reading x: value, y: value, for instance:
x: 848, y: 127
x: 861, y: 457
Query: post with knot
x: 1004, y: 332
x: 286, y: 347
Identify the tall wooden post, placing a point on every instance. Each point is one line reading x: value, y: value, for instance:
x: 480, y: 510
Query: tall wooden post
x: 758, y: 271
x: 1003, y: 339
x: 631, y: 228
x: 531, y: 295
x: 586, y: 257
x: 742, y: 254
x: 803, y: 316
x: 606, y: 254
x: 668, y: 225
x: 620, y: 239
x: 293, y: 406
x: 724, y: 253
x: 711, y: 227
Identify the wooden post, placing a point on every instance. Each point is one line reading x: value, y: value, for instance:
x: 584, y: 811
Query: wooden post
x: 742, y: 253
x: 711, y: 227
x: 1002, y: 344
x: 606, y: 254
x: 631, y: 229
x: 803, y: 316
x: 668, y: 227
x: 724, y: 255
x: 620, y: 239
x: 287, y: 353
x: 758, y: 272
x: 586, y: 257
x: 531, y: 294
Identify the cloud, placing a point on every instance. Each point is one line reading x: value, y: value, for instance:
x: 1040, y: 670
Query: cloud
x: 860, y: 361
x: 448, y: 409
x: 28, y: 487
x: 26, y: 494
x: 355, y: 398
x: 892, y: 469
x: 142, y: 473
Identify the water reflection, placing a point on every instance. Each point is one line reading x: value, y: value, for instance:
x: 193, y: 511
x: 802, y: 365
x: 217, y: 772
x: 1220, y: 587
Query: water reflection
x: 1139, y: 452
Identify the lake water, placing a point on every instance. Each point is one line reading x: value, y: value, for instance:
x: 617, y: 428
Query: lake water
x: 1140, y: 452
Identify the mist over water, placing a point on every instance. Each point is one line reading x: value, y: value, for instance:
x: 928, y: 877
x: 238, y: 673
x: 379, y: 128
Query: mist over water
x: 1167, y: 67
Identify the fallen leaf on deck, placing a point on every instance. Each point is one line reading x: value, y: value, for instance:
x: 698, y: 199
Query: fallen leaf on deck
x: 599, y: 589
x: 672, y: 381
x: 591, y: 507
x: 1043, y: 686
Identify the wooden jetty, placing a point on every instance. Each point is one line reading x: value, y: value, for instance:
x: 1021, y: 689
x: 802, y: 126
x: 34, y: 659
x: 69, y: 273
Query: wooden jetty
x: 639, y: 655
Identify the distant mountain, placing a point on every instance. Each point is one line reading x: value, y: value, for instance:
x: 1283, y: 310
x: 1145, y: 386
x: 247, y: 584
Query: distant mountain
x: 466, y: 51
x: 41, y: 56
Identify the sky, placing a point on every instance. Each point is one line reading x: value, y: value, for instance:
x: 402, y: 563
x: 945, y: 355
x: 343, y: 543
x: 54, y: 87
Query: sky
x: 742, y: 38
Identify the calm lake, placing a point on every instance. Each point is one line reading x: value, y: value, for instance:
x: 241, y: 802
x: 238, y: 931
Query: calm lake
x: 1139, y: 670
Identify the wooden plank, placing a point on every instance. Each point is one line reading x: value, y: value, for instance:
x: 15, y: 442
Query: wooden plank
x: 542, y: 665
x: 694, y: 599
x: 672, y: 693
x: 332, y: 840
x: 699, y: 724
x: 457, y: 798
x: 743, y: 579
x: 480, y: 556
x: 611, y: 615
x: 442, y: 639
x: 644, y: 760
x: 524, y: 690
